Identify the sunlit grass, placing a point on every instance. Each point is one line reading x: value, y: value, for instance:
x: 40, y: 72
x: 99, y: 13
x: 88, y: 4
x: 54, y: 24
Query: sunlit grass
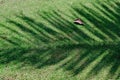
x: 39, y: 41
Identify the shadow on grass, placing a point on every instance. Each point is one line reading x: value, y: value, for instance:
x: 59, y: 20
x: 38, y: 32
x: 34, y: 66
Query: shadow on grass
x: 81, y: 49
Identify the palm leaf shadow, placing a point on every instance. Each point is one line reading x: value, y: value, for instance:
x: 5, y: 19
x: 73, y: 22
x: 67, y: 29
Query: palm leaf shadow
x: 97, y: 44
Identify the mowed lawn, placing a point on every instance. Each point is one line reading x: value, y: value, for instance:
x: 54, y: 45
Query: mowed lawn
x: 39, y: 40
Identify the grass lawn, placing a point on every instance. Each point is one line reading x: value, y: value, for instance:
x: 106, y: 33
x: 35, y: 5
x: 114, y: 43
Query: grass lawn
x: 39, y: 41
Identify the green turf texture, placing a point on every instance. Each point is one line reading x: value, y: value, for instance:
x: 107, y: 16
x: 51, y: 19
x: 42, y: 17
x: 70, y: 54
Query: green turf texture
x: 39, y: 41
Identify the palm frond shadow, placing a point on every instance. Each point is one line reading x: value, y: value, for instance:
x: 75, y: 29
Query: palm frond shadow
x: 92, y: 47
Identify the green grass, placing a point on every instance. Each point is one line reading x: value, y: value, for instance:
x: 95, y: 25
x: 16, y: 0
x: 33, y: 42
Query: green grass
x: 39, y: 41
